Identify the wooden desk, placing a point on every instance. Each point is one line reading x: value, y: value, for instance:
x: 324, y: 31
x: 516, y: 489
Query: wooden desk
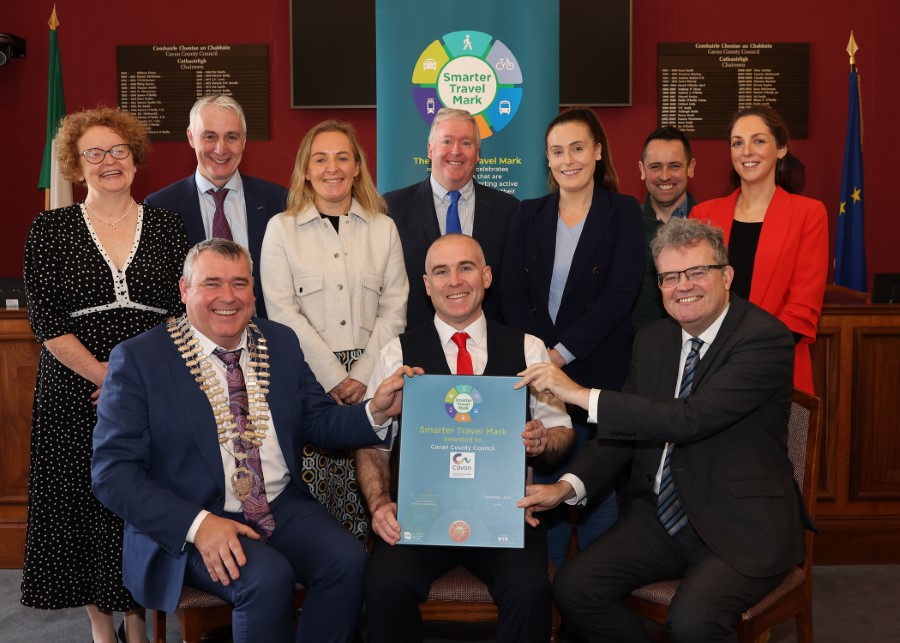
x: 19, y: 352
x: 856, y: 366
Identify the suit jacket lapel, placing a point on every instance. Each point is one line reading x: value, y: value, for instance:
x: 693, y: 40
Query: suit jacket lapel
x: 481, y: 229
x: 256, y: 217
x: 726, y: 330
x: 189, y: 209
x: 595, y: 228
x: 772, y: 238
x: 196, y: 414
x: 425, y: 208
x: 545, y: 224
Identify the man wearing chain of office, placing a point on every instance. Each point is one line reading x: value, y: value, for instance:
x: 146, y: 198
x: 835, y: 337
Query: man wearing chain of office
x: 200, y: 424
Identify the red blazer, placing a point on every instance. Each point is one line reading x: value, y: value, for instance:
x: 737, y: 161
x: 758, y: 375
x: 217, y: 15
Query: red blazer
x: 791, y: 265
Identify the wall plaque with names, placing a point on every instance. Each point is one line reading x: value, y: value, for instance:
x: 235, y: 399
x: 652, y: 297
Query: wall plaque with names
x: 702, y: 84
x: 160, y: 83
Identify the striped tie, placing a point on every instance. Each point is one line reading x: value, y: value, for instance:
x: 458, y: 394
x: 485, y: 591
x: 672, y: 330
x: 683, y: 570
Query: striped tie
x: 668, y: 508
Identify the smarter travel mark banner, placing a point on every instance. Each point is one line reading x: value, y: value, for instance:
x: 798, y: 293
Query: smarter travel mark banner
x: 462, y: 461
x: 498, y: 60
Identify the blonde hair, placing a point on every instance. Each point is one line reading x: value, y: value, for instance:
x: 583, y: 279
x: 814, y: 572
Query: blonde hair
x: 301, y: 194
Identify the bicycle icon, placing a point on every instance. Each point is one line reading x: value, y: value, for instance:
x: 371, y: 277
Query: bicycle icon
x: 504, y: 63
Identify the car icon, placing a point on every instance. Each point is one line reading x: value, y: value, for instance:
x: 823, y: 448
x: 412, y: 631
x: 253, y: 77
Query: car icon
x: 505, y: 107
x: 429, y: 63
x: 429, y: 106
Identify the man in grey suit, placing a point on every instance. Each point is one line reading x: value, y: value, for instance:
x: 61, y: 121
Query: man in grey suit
x: 702, y: 422
x: 422, y: 210
x: 217, y: 200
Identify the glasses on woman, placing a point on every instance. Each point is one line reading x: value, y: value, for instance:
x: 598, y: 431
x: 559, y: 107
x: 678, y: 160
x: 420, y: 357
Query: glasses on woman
x: 96, y: 155
x: 694, y: 274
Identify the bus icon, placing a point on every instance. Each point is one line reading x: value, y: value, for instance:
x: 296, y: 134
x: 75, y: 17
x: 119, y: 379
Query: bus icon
x: 505, y: 107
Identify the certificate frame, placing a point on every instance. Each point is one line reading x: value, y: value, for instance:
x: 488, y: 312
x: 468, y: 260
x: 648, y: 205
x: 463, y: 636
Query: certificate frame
x: 462, y: 461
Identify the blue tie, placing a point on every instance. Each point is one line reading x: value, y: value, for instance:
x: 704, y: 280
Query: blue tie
x: 453, y: 224
x: 668, y: 508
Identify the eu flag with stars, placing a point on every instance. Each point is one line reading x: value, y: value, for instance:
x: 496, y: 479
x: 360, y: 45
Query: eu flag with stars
x: 850, y: 247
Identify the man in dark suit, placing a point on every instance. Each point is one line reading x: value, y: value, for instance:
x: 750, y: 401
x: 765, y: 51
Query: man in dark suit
x: 702, y: 422
x: 666, y: 164
x: 199, y: 432
x: 218, y: 134
x: 400, y: 575
x: 421, y: 210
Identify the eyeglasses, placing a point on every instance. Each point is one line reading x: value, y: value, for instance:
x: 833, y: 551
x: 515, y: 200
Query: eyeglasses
x: 695, y: 274
x: 96, y: 155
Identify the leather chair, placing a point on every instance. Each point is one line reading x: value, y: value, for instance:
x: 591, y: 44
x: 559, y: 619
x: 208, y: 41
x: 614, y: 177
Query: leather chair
x: 793, y: 597
x: 460, y: 596
x: 200, y: 613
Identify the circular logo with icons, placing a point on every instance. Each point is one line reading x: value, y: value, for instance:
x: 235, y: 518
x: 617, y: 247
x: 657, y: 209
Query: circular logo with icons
x: 469, y: 70
x: 462, y: 402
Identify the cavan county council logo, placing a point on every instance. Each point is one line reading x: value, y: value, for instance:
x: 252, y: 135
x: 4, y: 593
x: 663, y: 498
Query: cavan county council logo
x: 462, y: 402
x: 469, y: 70
x: 462, y: 465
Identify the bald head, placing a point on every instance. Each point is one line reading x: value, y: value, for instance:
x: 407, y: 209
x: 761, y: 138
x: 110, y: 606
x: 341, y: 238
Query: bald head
x: 456, y: 277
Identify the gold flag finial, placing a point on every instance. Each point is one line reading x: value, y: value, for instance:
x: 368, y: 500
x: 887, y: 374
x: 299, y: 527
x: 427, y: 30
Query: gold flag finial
x: 53, y: 22
x: 852, y: 49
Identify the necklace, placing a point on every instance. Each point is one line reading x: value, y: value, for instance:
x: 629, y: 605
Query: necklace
x: 257, y: 382
x: 111, y: 224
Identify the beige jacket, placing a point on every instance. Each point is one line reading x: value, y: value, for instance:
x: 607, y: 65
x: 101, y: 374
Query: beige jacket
x: 338, y: 292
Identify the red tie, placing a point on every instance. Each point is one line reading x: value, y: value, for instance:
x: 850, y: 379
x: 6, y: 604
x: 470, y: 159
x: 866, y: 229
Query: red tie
x: 463, y: 359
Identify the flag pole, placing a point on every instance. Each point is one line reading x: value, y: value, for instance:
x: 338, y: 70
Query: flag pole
x: 53, y: 23
x: 850, y: 251
x: 57, y: 190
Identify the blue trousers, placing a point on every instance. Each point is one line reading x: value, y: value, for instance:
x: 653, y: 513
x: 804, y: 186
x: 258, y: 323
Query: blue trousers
x: 308, y: 546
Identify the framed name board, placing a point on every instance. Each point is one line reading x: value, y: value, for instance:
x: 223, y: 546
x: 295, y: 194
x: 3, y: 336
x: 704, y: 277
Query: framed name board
x: 594, y: 55
x: 160, y: 83
x: 701, y: 85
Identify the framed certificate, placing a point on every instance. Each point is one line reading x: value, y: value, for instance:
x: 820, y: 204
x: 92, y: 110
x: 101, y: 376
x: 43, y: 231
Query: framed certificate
x: 462, y: 461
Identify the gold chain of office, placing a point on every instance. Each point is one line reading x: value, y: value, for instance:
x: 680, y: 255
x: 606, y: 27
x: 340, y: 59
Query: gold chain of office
x: 257, y: 383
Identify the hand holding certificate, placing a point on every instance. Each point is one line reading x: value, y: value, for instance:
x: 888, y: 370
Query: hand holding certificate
x: 462, y: 461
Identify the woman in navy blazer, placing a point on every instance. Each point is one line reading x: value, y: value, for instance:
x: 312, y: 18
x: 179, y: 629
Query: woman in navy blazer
x: 572, y: 268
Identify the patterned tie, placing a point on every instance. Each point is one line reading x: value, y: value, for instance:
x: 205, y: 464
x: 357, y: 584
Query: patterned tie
x: 221, y: 229
x: 668, y: 507
x: 453, y: 224
x: 256, y: 507
x: 463, y: 359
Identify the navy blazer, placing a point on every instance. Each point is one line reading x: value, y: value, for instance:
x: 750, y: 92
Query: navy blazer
x: 263, y: 200
x: 412, y: 209
x: 730, y: 464
x: 157, y: 461
x: 594, y: 318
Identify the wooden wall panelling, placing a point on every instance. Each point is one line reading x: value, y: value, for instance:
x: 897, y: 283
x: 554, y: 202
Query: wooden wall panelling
x: 19, y: 353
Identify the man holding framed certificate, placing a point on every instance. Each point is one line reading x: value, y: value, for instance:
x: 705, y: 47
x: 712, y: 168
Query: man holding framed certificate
x: 399, y: 577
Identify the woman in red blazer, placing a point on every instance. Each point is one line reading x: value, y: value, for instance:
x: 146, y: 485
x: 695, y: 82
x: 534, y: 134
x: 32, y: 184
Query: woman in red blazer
x: 777, y: 240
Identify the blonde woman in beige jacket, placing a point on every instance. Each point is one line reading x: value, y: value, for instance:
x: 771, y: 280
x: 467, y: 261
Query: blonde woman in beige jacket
x: 332, y: 269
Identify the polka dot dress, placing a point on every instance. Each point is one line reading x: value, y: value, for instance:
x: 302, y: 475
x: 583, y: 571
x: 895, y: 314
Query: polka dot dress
x: 73, y: 547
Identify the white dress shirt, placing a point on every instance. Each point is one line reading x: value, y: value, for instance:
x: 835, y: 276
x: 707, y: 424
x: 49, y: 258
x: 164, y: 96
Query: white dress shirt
x: 548, y: 410
x: 235, y: 207
x: 465, y: 206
